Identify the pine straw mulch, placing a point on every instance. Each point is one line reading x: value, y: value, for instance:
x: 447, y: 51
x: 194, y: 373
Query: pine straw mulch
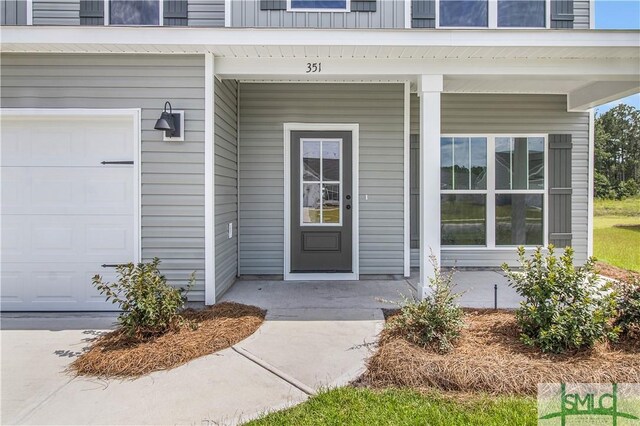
x: 615, y: 272
x: 489, y: 358
x: 218, y: 327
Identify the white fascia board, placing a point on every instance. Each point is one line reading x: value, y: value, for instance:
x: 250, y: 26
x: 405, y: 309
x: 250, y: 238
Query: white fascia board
x: 200, y: 38
x: 591, y: 69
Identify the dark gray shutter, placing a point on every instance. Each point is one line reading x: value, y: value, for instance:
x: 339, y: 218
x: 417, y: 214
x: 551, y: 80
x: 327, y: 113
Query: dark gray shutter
x: 414, y: 190
x: 13, y: 12
x: 91, y: 12
x: 562, y: 13
x: 423, y: 13
x: 559, y: 220
x: 175, y: 13
x: 273, y: 4
x: 363, y: 5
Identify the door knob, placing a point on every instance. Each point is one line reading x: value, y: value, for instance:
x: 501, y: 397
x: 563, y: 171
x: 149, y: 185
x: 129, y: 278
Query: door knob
x: 348, y: 197
x: 348, y: 207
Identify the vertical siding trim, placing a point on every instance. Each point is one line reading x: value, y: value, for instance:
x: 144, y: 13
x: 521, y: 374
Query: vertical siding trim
x: 238, y: 173
x: 209, y: 182
x: 407, y: 188
x: 590, y: 159
x: 29, y: 12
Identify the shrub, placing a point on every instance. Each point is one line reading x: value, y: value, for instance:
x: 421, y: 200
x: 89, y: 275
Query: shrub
x: 564, y: 307
x: 435, y: 321
x: 628, y: 299
x: 149, y: 305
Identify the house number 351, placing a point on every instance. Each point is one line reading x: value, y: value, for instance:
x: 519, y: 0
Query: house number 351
x: 314, y: 67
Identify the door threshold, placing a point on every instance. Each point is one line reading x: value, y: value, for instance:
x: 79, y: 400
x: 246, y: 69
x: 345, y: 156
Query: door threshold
x: 321, y: 276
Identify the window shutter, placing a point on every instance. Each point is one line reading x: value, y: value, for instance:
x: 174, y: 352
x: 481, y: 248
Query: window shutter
x: 423, y: 13
x: 175, y: 13
x: 91, y: 12
x: 414, y: 190
x: 273, y: 4
x: 559, y: 220
x: 561, y: 13
x: 363, y: 5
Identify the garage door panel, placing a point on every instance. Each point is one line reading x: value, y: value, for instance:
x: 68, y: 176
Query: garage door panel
x: 64, y: 142
x: 63, y: 213
x: 105, y: 190
x: 60, y: 238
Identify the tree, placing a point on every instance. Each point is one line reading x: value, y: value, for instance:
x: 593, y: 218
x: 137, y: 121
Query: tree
x: 617, y: 152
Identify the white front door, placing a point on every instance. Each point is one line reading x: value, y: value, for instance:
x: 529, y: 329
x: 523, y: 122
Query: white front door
x: 64, y: 213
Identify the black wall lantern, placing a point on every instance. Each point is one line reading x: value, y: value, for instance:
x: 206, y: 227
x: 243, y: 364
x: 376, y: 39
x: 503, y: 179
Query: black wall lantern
x: 172, y: 123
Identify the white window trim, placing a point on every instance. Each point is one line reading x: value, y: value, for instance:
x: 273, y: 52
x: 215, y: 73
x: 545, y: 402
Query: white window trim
x: 491, y: 190
x: 346, y: 9
x: 135, y: 115
x: 320, y: 182
x: 355, y: 201
x: 492, y: 18
x: 107, y: 15
x: 29, y: 12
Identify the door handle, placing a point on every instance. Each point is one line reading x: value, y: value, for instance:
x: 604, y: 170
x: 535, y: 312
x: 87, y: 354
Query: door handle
x: 348, y: 197
x: 348, y: 207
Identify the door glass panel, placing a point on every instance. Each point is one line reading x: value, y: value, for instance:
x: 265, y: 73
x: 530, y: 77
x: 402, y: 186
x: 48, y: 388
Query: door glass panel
x: 331, y: 203
x: 330, y: 161
x: 134, y: 12
x: 311, y: 203
x: 311, y: 160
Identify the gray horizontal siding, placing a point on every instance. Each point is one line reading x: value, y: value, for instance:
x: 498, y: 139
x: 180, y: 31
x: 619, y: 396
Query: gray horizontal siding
x: 13, y: 12
x: 378, y: 108
x: 247, y: 13
x: 581, y: 14
x: 226, y: 182
x: 56, y: 12
x: 206, y: 13
x: 494, y: 113
x: 172, y: 172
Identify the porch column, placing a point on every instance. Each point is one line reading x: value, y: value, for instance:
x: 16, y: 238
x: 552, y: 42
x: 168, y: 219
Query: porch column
x: 209, y: 181
x: 429, y: 89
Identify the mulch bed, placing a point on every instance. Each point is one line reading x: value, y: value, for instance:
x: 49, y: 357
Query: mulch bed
x: 615, y: 272
x: 218, y: 327
x: 490, y: 358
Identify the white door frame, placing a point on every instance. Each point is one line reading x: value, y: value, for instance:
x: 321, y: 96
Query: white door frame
x: 355, y: 263
x: 134, y: 114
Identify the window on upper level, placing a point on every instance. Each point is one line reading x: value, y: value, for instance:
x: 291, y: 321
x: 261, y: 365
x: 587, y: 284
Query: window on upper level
x: 492, y: 13
x: 134, y: 12
x: 318, y: 5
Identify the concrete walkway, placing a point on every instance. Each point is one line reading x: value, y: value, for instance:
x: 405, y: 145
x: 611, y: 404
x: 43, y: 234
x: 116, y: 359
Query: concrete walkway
x: 317, y: 334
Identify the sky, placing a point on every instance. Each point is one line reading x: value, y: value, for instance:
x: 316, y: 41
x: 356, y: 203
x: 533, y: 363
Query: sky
x: 618, y: 14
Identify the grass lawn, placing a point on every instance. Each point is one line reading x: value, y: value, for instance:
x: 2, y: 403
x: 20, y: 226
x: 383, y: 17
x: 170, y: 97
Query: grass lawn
x: 361, y: 406
x: 616, y: 232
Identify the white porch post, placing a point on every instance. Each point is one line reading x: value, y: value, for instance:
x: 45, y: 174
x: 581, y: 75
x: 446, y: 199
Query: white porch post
x: 429, y: 89
x: 209, y: 182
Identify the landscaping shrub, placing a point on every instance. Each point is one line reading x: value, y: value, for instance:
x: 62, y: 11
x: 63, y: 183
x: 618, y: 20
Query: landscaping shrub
x: 564, y: 307
x: 149, y: 305
x: 436, y: 320
x: 628, y: 299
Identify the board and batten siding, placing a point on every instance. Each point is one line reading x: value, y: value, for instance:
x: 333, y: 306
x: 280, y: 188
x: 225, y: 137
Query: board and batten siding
x: 172, y: 193
x: 13, y: 12
x: 226, y: 183
x: 206, y: 13
x: 516, y: 114
x: 56, y: 12
x: 378, y: 109
x: 247, y: 13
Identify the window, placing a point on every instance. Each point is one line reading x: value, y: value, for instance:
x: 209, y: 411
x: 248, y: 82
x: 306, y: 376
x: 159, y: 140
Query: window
x: 463, y: 181
x: 323, y: 5
x: 521, y: 13
x: 492, y: 190
x: 492, y: 13
x: 134, y: 12
x: 464, y: 13
x: 321, y: 181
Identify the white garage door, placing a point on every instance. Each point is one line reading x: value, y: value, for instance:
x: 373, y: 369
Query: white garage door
x: 64, y: 213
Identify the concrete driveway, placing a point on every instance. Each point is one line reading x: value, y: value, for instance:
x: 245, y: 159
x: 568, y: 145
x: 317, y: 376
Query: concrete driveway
x: 316, y: 335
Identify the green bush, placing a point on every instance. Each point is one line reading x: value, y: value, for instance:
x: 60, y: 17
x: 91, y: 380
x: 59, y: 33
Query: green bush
x: 435, y: 321
x: 564, y: 307
x: 628, y: 299
x: 149, y: 305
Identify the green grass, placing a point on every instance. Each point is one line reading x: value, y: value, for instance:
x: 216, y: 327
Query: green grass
x: 360, y: 406
x: 616, y: 232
